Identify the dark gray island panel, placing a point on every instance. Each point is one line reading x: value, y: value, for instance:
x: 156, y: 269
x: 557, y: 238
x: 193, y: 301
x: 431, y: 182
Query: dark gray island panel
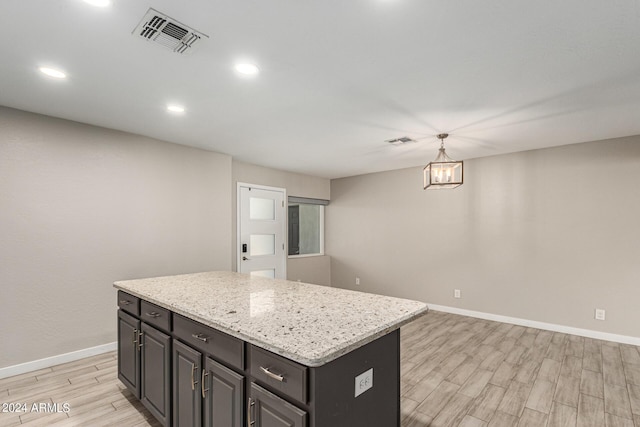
x: 335, y: 386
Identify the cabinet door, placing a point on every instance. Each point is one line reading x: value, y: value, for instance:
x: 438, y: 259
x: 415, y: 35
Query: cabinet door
x: 268, y: 410
x: 155, y: 392
x: 223, y: 392
x: 187, y: 403
x: 129, y: 352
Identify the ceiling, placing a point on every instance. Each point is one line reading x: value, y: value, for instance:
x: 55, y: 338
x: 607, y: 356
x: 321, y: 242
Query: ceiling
x: 337, y: 78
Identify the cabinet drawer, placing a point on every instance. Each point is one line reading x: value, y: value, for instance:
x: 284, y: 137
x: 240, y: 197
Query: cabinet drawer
x: 279, y: 373
x: 158, y: 316
x: 221, y: 346
x: 129, y: 303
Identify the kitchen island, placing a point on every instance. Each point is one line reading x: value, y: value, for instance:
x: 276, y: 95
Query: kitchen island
x: 229, y: 349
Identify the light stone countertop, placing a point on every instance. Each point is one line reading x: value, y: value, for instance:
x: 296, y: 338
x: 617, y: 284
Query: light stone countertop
x: 309, y: 324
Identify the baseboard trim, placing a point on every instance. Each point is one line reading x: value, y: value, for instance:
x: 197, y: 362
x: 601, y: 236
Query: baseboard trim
x: 47, y: 362
x: 623, y: 339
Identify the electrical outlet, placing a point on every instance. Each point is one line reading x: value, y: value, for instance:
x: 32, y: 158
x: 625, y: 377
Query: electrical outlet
x: 357, y: 280
x: 456, y: 293
x: 600, y: 314
x: 364, y: 382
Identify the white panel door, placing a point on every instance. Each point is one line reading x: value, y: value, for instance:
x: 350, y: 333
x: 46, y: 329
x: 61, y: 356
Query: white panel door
x: 261, y: 219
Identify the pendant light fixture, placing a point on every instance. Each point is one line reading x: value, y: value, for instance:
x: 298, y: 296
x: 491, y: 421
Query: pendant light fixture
x: 443, y: 172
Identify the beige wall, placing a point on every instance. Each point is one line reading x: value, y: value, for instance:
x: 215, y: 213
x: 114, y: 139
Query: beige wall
x: 545, y: 235
x: 82, y: 207
x: 313, y: 269
x: 309, y: 269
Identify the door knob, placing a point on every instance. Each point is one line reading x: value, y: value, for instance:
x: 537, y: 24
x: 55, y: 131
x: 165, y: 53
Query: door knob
x: 244, y: 258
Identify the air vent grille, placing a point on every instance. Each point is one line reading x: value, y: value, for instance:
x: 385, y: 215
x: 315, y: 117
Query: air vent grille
x: 401, y: 141
x: 158, y: 28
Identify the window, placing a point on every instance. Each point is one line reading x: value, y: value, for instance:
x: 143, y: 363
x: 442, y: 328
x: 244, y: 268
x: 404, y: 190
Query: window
x: 306, y: 226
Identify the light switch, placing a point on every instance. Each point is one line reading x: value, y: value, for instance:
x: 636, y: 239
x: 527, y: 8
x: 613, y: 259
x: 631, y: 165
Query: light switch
x: 364, y: 382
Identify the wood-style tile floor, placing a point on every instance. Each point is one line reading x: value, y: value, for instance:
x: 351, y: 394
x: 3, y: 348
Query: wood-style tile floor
x: 91, y: 388
x: 461, y: 371
x: 456, y: 371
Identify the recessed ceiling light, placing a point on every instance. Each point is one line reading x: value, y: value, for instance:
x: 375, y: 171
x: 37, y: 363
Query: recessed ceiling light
x: 51, y: 72
x: 247, y: 69
x: 175, y: 108
x: 99, y: 3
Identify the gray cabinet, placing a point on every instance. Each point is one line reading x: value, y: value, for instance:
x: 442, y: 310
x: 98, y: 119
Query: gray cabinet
x: 204, y: 390
x: 278, y: 375
x: 213, y: 386
x: 187, y: 401
x: 129, y: 352
x: 268, y: 410
x: 144, y: 355
x: 223, y: 393
x: 155, y: 373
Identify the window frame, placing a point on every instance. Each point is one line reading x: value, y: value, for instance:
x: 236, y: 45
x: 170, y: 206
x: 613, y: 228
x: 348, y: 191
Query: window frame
x: 308, y: 201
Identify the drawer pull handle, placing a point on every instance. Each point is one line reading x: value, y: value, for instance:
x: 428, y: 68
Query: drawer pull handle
x: 153, y: 314
x: 193, y: 381
x: 202, y: 381
x: 200, y: 337
x: 125, y: 302
x: 140, y: 343
x: 135, y: 337
x: 271, y: 374
x: 249, y: 406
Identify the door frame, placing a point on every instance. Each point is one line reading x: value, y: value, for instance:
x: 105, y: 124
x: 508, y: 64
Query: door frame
x: 284, y: 223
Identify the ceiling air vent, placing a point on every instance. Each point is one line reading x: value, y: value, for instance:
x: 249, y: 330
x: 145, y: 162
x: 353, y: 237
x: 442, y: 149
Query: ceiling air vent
x: 401, y: 141
x: 167, y: 32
